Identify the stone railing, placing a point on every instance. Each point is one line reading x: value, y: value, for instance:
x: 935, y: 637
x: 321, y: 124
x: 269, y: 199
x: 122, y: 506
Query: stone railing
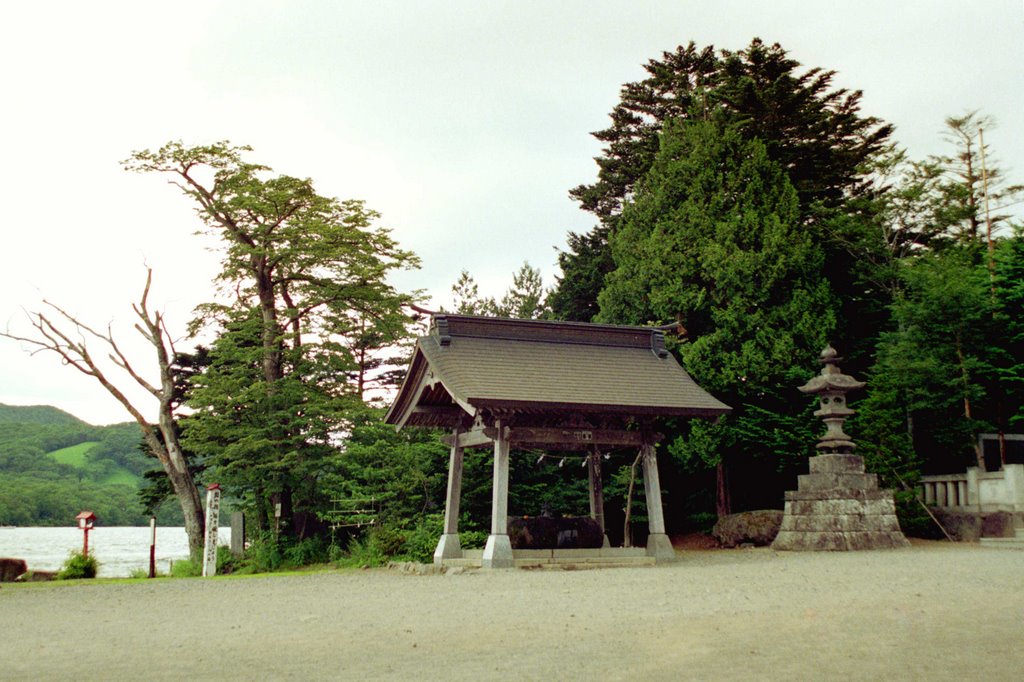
x: 982, y: 491
x: 947, y: 491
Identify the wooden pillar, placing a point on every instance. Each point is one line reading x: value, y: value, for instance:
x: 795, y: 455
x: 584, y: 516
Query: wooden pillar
x: 498, y: 551
x: 448, y: 546
x: 658, y: 544
x: 596, y: 489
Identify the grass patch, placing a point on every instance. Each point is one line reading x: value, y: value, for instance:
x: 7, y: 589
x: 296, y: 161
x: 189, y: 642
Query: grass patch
x: 78, y: 456
x: 75, y: 455
x: 121, y: 477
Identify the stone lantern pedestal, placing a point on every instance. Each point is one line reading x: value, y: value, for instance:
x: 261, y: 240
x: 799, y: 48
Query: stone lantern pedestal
x: 837, y: 506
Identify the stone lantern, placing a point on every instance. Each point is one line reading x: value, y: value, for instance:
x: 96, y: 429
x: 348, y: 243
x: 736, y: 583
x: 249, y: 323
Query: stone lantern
x: 831, y: 387
x: 837, y: 505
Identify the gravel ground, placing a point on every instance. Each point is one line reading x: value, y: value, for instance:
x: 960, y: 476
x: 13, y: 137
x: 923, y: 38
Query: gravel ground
x: 935, y: 611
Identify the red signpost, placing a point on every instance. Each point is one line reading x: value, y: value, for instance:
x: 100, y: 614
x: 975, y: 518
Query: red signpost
x: 152, y: 547
x: 86, y: 521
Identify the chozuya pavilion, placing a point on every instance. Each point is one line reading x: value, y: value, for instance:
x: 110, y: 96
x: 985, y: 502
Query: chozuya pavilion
x: 513, y: 384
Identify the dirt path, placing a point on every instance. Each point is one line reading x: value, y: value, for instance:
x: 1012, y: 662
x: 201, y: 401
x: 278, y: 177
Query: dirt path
x: 936, y: 612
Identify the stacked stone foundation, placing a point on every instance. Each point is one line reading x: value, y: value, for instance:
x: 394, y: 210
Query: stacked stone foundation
x: 839, y: 507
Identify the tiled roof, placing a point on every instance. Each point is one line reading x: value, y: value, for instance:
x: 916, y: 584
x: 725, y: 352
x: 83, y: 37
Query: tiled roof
x: 496, y: 363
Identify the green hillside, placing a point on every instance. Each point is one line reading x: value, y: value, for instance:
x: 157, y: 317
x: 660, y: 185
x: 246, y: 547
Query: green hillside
x: 104, y: 472
x: 53, y: 465
x: 36, y: 414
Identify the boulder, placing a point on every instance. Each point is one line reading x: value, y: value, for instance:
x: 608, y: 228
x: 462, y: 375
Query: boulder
x: 997, y: 525
x: 961, y: 526
x: 12, y: 569
x: 753, y: 527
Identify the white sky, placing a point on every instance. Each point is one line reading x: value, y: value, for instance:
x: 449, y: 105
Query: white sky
x: 464, y: 122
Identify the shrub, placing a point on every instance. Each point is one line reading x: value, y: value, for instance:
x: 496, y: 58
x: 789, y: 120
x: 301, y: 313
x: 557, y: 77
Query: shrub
x: 386, y: 539
x: 914, y: 520
x: 305, y: 553
x: 473, y: 539
x: 421, y: 541
x: 226, y: 562
x: 263, y: 555
x: 79, y: 566
x: 186, y: 568
x: 362, y: 553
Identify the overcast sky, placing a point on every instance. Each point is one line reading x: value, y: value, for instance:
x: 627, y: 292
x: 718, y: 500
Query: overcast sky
x: 464, y: 123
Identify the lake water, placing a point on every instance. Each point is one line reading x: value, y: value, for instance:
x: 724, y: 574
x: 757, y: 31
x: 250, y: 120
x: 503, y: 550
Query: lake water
x: 119, y: 549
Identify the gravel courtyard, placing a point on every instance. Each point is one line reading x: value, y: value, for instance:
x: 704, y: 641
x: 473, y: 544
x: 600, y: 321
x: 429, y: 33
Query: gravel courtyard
x: 935, y: 611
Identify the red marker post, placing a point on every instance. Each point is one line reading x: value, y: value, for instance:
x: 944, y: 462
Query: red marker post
x: 86, y: 521
x: 152, y: 547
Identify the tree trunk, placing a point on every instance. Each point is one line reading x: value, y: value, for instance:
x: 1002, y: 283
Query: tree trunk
x: 271, y: 335
x: 979, y: 455
x: 723, y: 498
x: 184, y: 487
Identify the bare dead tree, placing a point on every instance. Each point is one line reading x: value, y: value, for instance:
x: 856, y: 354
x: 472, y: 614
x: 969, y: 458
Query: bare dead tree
x: 60, y: 332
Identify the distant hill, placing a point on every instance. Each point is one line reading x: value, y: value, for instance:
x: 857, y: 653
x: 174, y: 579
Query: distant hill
x: 37, y: 414
x: 53, y: 465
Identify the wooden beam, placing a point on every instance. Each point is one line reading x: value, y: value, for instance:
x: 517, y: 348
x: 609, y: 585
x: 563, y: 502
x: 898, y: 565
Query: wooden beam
x: 446, y: 411
x: 574, y: 437
x: 470, y: 439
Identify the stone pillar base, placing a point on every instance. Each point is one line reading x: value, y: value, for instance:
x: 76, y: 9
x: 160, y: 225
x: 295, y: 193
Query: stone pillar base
x: 838, y: 507
x: 448, y: 547
x: 497, y: 552
x: 660, y: 547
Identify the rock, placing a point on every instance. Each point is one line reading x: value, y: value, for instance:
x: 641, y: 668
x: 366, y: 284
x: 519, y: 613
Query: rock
x: 961, y: 526
x: 36, y: 577
x: 12, y: 569
x: 758, y: 528
x: 415, y: 568
x: 997, y: 525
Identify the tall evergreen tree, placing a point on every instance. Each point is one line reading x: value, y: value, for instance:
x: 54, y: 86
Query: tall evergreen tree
x: 815, y: 133
x: 712, y: 241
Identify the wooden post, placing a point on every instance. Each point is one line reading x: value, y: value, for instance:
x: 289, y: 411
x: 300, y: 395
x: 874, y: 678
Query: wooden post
x: 596, y: 489
x: 658, y: 544
x: 448, y: 546
x: 498, y: 552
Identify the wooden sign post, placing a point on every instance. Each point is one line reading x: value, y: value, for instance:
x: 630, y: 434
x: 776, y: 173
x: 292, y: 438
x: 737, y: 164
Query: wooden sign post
x: 212, y: 521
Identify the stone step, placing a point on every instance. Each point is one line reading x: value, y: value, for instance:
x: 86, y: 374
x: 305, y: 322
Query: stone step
x: 1003, y: 543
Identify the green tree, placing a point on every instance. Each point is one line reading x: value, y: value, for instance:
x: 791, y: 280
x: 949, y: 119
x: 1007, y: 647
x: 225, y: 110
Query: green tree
x: 712, y: 241
x: 973, y: 191
x: 309, y: 277
x: 1009, y: 328
x: 815, y: 133
x: 524, y: 299
x: 940, y: 358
